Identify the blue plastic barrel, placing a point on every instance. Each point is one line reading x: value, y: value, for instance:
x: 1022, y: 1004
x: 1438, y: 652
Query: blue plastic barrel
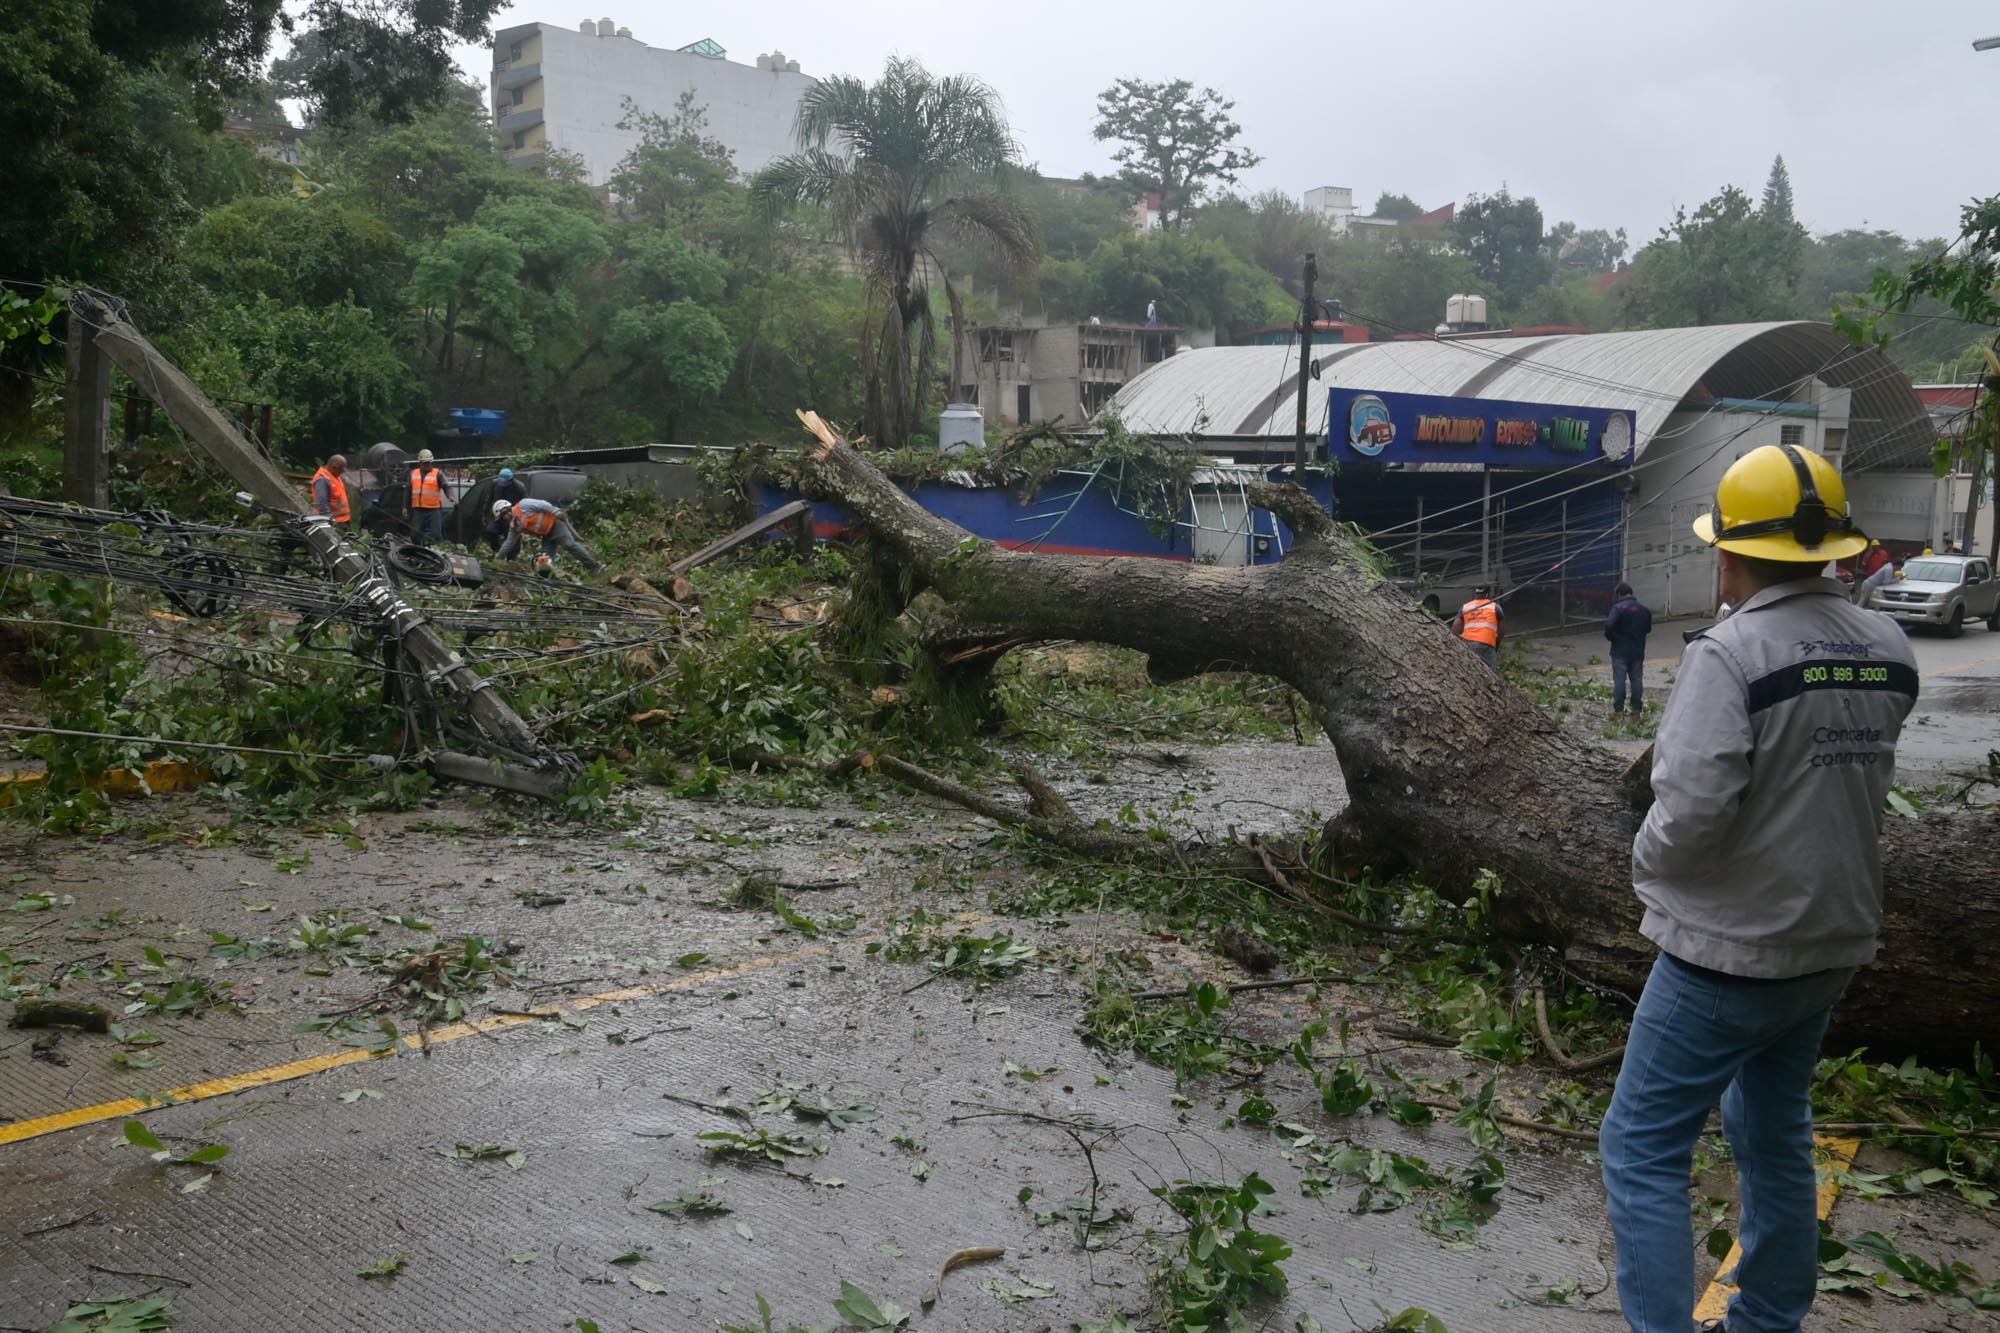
x: 486, y: 420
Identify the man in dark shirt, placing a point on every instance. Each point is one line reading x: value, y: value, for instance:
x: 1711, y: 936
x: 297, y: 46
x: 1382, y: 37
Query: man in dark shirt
x: 506, y: 487
x: 1627, y: 626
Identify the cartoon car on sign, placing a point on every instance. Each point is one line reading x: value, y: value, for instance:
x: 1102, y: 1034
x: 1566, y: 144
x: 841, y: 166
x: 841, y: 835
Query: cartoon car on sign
x: 1369, y: 429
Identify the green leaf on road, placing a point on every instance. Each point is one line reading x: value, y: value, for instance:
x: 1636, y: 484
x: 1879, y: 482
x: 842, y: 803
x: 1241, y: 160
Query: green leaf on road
x: 857, y: 1307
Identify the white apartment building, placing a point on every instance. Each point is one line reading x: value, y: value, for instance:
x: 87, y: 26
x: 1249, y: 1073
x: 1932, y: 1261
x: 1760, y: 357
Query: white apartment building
x: 1335, y: 204
x: 557, y: 87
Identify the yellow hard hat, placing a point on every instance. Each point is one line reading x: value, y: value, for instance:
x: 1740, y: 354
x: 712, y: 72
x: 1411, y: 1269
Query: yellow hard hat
x: 1782, y: 502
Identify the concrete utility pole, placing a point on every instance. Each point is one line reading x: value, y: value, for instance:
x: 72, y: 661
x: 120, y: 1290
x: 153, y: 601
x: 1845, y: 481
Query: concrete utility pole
x: 420, y: 647
x: 1308, y: 316
x: 87, y: 426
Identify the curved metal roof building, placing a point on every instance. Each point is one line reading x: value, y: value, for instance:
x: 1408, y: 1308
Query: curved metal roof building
x: 1243, y: 393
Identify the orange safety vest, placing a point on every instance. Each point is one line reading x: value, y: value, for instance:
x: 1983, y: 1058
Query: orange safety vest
x: 1482, y: 622
x: 538, y: 523
x: 426, y: 489
x: 336, y: 494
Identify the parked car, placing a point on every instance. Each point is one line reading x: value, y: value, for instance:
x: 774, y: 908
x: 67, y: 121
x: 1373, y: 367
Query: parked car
x: 1943, y: 591
x: 1444, y: 580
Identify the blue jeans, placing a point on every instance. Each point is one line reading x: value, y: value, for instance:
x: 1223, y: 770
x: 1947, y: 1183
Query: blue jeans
x: 1632, y: 671
x: 1697, y: 1036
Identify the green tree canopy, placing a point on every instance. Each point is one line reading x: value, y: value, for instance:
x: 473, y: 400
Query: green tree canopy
x: 339, y: 380
x: 1195, y: 280
x: 380, y: 59
x: 1777, y: 204
x: 1502, y: 236
x: 1272, y: 231
x: 1400, y: 207
x: 1597, y: 250
x: 298, y: 251
x: 1172, y: 140
x: 1725, y: 263
x: 901, y: 164
x: 1398, y: 286
x: 678, y: 174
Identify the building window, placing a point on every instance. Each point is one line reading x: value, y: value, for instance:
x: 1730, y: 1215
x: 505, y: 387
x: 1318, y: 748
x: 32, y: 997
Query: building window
x: 996, y: 345
x: 1023, y: 404
x: 1834, y: 441
x: 968, y: 393
x: 1157, y: 347
x: 520, y: 138
x: 1103, y: 356
x: 1095, y: 394
x: 519, y: 95
x: 514, y: 51
x: 1791, y: 433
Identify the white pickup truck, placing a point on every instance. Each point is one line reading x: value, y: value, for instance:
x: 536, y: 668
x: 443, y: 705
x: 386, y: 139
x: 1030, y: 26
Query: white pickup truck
x: 1943, y: 591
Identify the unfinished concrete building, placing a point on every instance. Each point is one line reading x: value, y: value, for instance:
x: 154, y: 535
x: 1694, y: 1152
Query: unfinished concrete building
x: 1017, y: 373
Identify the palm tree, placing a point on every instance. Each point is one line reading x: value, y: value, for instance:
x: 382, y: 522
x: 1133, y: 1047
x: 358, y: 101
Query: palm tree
x: 900, y: 163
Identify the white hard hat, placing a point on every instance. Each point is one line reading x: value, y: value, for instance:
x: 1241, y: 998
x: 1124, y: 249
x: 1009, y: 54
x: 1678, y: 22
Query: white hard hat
x: 501, y: 507
x: 424, y: 456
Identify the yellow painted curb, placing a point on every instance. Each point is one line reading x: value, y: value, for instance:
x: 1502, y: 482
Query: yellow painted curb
x: 1839, y: 1157
x: 161, y: 775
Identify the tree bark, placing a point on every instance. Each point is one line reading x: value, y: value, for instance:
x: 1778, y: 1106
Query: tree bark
x: 1449, y: 769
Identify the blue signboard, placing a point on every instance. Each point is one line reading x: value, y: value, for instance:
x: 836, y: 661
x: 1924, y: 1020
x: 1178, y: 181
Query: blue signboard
x: 1367, y: 427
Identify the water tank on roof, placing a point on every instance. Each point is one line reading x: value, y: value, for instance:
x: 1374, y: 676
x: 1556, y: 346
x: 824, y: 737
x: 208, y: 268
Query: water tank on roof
x: 605, y: 27
x: 587, y: 28
x: 1465, y: 312
x: 791, y: 67
x: 624, y: 32
x: 959, y: 427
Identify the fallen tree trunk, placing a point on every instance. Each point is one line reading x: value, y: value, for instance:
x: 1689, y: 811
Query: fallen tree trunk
x: 1449, y: 770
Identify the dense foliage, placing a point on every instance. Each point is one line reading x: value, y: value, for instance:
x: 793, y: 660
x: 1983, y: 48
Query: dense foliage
x: 403, y: 267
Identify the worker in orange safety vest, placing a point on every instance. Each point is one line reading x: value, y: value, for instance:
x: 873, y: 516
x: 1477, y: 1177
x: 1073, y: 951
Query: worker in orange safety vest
x: 1478, y: 622
x: 424, y: 507
x: 329, y: 492
x: 539, y: 518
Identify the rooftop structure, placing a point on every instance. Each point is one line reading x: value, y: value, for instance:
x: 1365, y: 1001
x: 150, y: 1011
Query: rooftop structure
x: 1250, y: 392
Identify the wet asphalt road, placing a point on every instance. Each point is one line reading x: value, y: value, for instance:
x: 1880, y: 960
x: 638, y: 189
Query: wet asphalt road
x: 969, y: 1094
x: 1955, y: 726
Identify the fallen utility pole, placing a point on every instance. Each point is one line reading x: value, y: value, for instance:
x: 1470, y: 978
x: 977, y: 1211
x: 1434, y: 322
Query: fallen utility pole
x: 536, y: 770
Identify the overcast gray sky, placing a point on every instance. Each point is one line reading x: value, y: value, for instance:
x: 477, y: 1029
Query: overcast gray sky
x: 1609, y: 114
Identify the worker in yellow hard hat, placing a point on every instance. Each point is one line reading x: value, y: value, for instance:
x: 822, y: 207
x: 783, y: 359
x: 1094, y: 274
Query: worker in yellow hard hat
x: 1759, y: 868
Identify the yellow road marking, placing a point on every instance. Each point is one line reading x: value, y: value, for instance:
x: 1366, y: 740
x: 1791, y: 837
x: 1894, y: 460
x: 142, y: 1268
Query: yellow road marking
x: 1839, y: 1157
x: 258, y: 1078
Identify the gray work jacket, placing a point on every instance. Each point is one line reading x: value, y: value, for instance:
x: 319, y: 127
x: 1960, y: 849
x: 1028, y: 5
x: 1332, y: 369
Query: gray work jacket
x: 1761, y: 855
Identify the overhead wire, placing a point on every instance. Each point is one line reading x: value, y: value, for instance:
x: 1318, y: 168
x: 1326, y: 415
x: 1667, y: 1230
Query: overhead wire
x: 171, y: 743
